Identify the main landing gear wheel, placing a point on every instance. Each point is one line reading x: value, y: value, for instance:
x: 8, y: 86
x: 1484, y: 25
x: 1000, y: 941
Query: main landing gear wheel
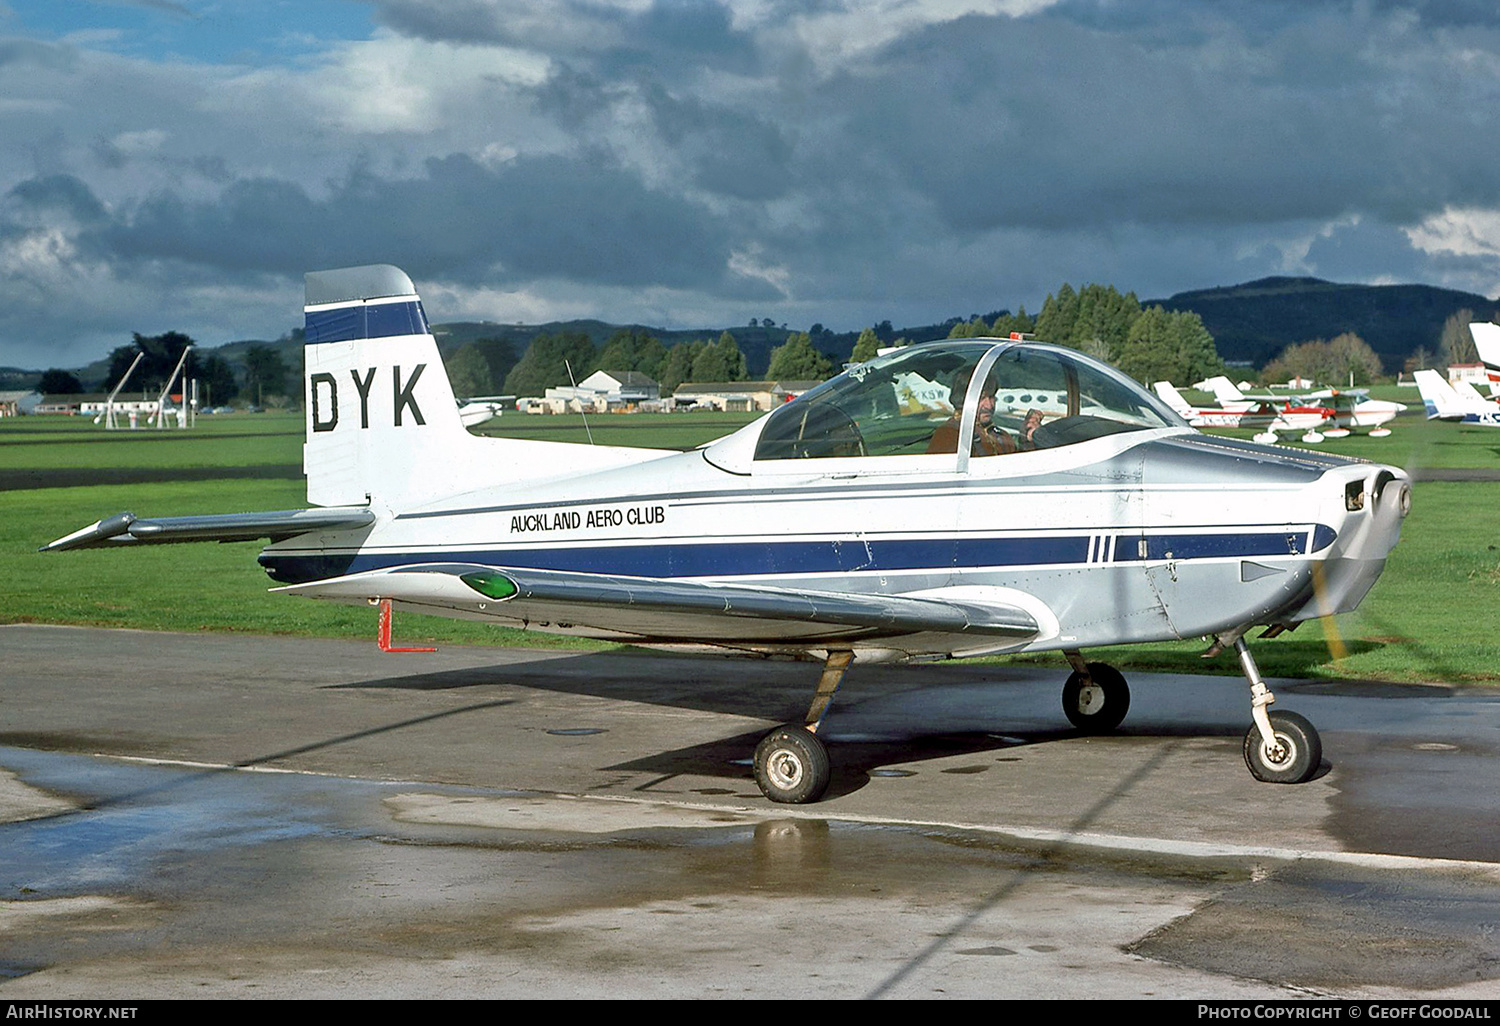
x: 791, y: 766
x: 1098, y: 705
x: 1296, y: 757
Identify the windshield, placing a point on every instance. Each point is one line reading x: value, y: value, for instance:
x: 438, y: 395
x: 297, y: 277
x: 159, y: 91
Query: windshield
x: 911, y: 402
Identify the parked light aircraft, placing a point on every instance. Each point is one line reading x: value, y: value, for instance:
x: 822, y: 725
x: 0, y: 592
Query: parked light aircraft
x: 1291, y: 415
x: 1487, y: 344
x: 834, y: 526
x: 1353, y: 408
x: 1444, y: 402
x: 1261, y: 415
x: 475, y: 411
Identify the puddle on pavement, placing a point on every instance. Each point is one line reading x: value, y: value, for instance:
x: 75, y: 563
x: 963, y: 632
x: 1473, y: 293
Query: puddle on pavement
x: 125, y: 816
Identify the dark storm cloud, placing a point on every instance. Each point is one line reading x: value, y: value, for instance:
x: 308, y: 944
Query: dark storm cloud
x: 1043, y: 122
x: 681, y: 31
x: 52, y: 199
x: 535, y: 217
x: 1345, y: 251
x: 733, y: 153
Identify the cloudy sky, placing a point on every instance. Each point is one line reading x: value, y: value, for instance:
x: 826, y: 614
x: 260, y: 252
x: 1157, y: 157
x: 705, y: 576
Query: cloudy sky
x: 178, y: 164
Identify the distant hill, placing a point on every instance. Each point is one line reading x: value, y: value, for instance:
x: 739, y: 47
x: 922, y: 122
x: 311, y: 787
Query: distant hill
x: 1257, y: 320
x: 14, y: 379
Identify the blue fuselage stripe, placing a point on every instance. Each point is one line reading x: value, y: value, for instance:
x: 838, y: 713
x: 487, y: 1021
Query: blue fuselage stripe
x: 779, y: 558
x: 752, y: 559
x: 1209, y: 546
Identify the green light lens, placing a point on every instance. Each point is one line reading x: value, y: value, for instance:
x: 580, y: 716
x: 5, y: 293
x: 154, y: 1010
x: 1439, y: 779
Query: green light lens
x: 490, y: 584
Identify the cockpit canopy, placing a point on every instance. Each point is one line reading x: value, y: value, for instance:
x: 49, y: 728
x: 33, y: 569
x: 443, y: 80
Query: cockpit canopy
x: 1020, y: 396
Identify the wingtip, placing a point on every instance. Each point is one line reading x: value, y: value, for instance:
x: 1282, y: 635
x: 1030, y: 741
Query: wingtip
x: 96, y: 533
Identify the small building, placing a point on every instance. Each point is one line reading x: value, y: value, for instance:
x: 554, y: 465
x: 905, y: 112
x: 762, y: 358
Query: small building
x: 15, y: 404
x: 1474, y: 373
x: 93, y: 405
x: 740, y: 396
x: 600, y: 392
x: 623, y: 387
x: 70, y: 405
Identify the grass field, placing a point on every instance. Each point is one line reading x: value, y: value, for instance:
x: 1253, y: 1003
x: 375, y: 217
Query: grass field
x: 1434, y: 615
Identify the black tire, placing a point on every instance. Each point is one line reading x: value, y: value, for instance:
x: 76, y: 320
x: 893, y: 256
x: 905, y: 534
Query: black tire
x: 791, y: 766
x: 1301, y: 755
x: 1100, y: 709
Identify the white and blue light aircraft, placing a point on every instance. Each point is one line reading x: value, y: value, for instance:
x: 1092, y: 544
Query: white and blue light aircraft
x: 955, y: 499
x: 1444, y: 401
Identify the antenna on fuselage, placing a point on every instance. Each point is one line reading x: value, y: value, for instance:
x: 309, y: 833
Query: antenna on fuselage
x: 574, y: 382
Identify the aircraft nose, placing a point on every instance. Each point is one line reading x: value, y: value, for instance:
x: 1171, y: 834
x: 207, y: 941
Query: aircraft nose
x: 1391, y: 493
x: 1382, y: 491
x: 1376, y: 502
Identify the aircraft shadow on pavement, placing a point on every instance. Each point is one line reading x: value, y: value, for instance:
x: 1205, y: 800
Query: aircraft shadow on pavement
x: 1010, y: 698
x: 779, y: 690
x: 853, y: 766
x: 884, y: 715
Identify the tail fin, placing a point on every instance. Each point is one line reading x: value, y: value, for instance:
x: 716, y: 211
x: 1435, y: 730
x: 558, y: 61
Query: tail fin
x: 1487, y: 343
x: 382, y: 423
x: 379, y: 406
x: 1438, y: 397
x: 1173, y: 398
x: 1225, y: 392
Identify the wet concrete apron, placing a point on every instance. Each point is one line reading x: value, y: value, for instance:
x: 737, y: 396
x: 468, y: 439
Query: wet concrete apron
x: 1029, y: 863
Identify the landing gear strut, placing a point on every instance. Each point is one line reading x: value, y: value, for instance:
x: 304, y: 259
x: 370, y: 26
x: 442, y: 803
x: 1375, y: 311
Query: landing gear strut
x: 1282, y: 747
x: 791, y: 762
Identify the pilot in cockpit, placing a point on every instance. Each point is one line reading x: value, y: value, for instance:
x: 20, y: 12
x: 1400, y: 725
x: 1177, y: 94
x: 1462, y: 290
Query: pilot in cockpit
x: 988, y: 439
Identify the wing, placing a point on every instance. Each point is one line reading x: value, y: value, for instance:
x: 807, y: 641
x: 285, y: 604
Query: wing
x: 660, y: 609
x: 127, y: 528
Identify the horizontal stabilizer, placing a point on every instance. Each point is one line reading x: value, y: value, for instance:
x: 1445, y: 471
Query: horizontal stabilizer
x: 127, y: 528
x: 611, y: 603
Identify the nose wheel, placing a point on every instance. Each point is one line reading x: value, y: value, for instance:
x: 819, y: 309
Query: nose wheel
x: 1282, y: 747
x: 1293, y: 758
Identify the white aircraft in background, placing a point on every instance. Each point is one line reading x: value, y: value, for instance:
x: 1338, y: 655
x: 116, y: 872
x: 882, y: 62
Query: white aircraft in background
x: 475, y: 411
x: 1258, y: 416
x: 1291, y: 415
x: 1353, y: 408
x: 1444, y: 402
x: 850, y: 523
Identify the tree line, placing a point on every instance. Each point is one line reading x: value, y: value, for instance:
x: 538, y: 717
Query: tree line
x: 566, y: 357
x: 1148, y: 343
x: 264, y: 377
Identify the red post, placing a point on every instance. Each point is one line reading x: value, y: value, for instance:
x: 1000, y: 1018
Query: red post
x: 383, y: 635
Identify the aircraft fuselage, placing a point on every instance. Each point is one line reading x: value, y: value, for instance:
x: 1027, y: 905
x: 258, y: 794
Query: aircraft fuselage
x: 1133, y: 537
